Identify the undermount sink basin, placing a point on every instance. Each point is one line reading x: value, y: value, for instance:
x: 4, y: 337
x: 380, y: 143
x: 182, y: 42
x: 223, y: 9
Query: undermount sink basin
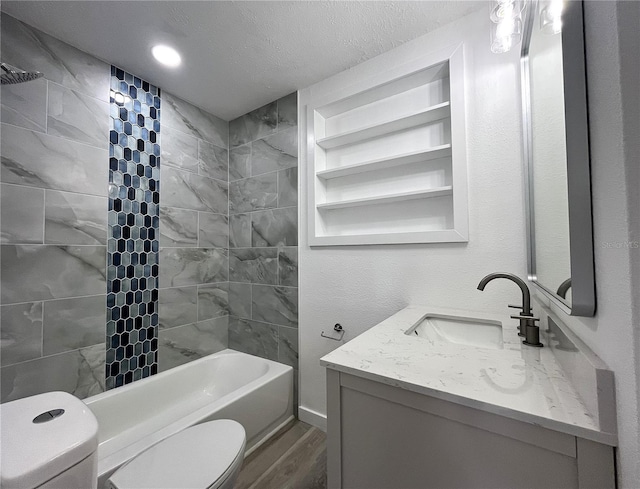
x: 482, y: 333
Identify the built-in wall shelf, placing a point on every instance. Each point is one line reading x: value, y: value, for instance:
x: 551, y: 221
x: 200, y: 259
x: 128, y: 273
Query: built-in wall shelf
x: 387, y: 199
x: 438, y: 152
x: 431, y: 114
x: 385, y: 158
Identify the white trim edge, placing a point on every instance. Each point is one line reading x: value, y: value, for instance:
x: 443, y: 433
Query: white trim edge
x: 313, y: 418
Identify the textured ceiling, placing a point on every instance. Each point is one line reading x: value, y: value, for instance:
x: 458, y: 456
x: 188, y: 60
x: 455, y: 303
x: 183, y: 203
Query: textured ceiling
x: 238, y: 55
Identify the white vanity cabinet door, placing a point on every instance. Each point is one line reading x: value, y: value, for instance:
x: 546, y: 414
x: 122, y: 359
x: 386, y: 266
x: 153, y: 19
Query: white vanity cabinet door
x: 389, y: 438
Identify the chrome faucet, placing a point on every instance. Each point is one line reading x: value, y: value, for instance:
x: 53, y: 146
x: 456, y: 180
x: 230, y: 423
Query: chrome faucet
x: 528, y: 328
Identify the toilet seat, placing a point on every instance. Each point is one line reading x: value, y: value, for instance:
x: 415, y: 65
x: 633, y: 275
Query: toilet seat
x: 200, y: 457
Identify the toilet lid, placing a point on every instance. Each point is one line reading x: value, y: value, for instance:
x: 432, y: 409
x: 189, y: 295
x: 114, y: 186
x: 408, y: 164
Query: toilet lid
x: 194, y: 458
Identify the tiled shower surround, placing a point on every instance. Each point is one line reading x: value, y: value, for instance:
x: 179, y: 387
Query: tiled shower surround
x: 55, y: 163
x: 55, y: 228
x: 263, y: 240
x: 194, y: 233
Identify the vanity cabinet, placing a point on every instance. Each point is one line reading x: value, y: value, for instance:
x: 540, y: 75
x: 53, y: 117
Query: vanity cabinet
x: 381, y: 436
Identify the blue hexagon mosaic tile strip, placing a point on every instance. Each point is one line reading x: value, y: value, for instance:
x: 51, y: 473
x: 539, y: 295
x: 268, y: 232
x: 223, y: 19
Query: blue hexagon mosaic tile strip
x: 132, y: 245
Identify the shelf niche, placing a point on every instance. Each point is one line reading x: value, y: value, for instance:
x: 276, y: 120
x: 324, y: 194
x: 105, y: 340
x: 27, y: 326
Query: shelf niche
x: 387, y: 160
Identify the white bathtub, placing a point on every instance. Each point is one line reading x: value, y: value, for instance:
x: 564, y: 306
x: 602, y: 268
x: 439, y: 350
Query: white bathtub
x: 257, y: 393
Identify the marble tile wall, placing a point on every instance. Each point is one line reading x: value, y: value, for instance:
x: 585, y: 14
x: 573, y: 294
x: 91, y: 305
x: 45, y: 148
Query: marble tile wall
x: 194, y: 234
x: 227, y: 226
x: 53, y: 189
x: 263, y: 232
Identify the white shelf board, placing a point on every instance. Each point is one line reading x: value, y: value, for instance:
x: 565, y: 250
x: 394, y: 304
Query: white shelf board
x: 388, y: 199
x: 441, y: 236
x: 437, y: 112
x: 383, y: 163
x: 386, y: 90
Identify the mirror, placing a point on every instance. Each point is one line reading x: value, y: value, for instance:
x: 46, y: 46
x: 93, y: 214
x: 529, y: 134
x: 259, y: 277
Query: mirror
x: 559, y: 224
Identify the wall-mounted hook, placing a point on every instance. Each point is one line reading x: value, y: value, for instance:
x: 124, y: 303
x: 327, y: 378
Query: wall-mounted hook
x: 338, y: 329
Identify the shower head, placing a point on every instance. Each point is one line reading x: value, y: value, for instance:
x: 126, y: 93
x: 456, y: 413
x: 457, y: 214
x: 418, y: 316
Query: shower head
x: 11, y: 75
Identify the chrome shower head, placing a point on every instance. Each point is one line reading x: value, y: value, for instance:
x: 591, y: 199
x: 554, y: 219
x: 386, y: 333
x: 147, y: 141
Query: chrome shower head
x: 11, y: 75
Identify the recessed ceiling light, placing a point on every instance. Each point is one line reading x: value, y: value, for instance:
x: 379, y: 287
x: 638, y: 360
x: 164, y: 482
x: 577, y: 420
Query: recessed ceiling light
x: 166, y: 55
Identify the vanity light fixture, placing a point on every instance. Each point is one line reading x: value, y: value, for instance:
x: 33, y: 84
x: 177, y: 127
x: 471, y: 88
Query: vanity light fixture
x: 166, y: 55
x: 551, y: 16
x: 506, y: 24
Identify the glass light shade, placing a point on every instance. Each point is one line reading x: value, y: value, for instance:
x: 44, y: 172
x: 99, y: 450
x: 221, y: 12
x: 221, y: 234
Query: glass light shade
x: 505, y: 9
x: 505, y: 34
x: 551, y: 16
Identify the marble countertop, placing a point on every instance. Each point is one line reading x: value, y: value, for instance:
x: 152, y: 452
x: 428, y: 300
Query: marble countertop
x: 519, y: 382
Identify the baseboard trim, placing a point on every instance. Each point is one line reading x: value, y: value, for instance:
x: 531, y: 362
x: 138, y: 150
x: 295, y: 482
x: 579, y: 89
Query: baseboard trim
x: 312, y: 417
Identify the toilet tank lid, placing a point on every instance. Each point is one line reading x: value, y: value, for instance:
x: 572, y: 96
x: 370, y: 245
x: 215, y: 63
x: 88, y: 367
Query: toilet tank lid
x: 32, y: 453
x: 193, y: 458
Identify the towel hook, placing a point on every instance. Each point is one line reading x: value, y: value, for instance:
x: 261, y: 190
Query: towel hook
x: 338, y: 329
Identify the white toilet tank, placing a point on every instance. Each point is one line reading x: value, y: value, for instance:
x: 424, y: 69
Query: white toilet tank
x: 48, y: 441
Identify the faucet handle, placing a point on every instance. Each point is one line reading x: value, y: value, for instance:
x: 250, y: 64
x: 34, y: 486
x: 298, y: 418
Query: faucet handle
x: 529, y: 318
x: 514, y: 306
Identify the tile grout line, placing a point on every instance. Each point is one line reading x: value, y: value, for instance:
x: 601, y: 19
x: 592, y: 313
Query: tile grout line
x: 263, y: 322
x: 42, y: 332
x: 251, y: 301
x: 196, y: 173
x: 65, y: 352
x: 275, y: 132
x: 265, y: 210
x: 53, y: 299
x: 277, y: 189
x: 271, y: 172
x: 84, y: 194
x: 63, y: 138
x: 44, y: 215
x: 259, y: 247
x: 79, y: 92
x: 193, y: 210
x: 277, y: 250
x: 59, y: 245
x: 46, y: 107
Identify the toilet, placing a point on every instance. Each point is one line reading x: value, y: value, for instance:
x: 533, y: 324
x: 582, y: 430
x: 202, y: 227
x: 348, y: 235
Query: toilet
x: 204, y: 456
x: 50, y: 441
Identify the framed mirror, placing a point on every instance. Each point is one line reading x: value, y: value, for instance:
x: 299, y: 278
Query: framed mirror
x: 556, y: 147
